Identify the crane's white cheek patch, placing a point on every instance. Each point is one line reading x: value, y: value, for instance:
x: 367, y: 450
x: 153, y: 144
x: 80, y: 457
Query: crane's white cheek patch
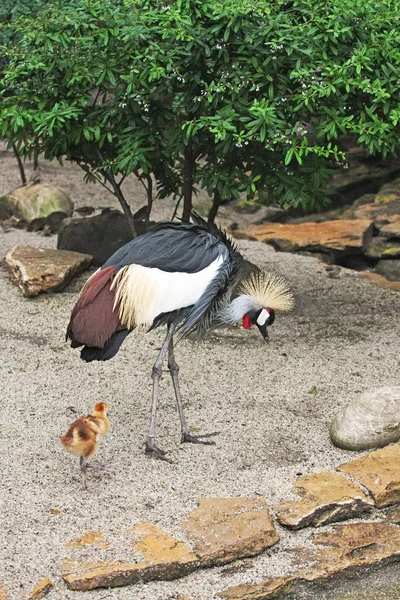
x: 262, y: 317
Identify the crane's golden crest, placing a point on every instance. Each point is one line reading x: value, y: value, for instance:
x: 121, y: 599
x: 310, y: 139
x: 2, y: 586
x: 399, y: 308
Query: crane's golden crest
x: 269, y: 290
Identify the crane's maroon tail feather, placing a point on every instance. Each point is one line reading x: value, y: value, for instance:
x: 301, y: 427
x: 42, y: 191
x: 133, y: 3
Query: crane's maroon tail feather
x: 94, y: 324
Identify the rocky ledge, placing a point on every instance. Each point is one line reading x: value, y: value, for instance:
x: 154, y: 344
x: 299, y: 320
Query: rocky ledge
x: 222, y: 530
x: 363, y: 236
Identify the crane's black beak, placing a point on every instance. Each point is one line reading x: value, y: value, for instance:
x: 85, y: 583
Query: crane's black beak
x: 264, y: 332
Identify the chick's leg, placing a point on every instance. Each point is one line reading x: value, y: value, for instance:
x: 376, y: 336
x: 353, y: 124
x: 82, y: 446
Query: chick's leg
x: 83, y: 465
x: 107, y: 468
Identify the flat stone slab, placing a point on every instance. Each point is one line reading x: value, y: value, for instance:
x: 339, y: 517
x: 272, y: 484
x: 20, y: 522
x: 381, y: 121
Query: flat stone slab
x: 91, y: 538
x: 37, y: 270
x: 162, y: 557
x: 392, y: 514
x: 272, y: 587
x: 224, y: 529
x: 379, y: 472
x: 41, y: 589
x: 330, y: 236
x: 346, y: 547
x: 325, y: 498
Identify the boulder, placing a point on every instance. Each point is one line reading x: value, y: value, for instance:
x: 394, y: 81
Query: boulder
x: 37, y: 270
x: 36, y: 206
x: 100, y: 236
x: 371, y: 420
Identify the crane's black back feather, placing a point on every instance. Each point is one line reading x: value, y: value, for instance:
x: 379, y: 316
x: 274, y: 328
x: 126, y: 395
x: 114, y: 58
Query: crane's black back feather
x: 174, y: 247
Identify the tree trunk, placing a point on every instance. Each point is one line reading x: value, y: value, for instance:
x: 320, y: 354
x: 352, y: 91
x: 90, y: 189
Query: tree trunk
x: 188, y: 182
x: 149, y: 199
x: 216, y: 204
x: 20, y: 164
x: 35, y: 160
x: 121, y: 198
x: 118, y: 193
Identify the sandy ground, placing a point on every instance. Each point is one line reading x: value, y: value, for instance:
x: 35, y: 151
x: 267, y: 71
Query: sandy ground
x: 342, y: 338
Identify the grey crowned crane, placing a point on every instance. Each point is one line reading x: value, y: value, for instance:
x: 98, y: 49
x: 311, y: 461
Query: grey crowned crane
x: 187, y: 276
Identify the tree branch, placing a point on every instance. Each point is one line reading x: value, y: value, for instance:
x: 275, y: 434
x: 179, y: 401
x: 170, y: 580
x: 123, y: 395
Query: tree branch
x: 118, y: 193
x: 215, y: 206
x: 20, y: 164
x: 149, y: 198
x: 176, y: 208
x: 188, y: 174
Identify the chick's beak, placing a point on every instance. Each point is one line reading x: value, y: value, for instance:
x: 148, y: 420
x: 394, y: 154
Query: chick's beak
x: 264, y: 332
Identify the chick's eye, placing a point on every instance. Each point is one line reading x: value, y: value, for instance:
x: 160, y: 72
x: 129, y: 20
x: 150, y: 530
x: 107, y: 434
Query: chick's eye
x: 263, y: 317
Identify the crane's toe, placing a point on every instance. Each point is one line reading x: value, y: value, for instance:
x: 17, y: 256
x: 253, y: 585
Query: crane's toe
x: 199, y: 439
x: 151, y: 448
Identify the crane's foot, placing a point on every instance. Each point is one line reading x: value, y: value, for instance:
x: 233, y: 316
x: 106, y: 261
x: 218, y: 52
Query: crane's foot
x: 151, y: 448
x: 199, y: 439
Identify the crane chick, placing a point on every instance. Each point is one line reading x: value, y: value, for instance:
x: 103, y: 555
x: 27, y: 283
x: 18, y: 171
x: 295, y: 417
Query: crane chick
x: 83, y: 435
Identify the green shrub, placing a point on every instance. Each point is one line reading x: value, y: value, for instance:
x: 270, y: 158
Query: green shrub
x: 240, y: 96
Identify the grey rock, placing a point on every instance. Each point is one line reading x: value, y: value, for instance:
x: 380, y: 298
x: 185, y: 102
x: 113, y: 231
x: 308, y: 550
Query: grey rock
x: 389, y: 269
x: 370, y: 421
x: 100, y: 236
x: 37, y: 205
x: 383, y: 248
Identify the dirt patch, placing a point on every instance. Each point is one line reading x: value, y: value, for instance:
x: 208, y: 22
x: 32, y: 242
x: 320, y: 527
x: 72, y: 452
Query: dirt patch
x: 272, y: 404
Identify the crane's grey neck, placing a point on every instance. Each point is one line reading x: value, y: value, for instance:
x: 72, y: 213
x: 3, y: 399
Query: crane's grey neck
x: 233, y: 311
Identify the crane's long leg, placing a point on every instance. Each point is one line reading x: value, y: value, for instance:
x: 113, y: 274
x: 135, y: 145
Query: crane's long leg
x: 156, y: 375
x: 174, y: 370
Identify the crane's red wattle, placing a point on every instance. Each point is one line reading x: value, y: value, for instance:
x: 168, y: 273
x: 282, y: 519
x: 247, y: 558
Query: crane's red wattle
x: 246, y: 322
